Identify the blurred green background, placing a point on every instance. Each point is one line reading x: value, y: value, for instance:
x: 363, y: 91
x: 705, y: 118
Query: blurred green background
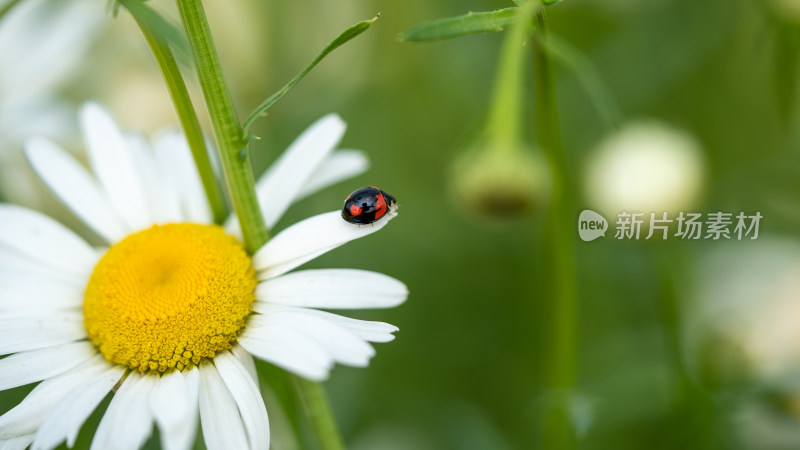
x: 674, y: 336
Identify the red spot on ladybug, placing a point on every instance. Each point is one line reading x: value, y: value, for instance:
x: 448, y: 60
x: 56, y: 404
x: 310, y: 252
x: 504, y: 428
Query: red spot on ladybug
x: 367, y: 205
x: 380, y: 206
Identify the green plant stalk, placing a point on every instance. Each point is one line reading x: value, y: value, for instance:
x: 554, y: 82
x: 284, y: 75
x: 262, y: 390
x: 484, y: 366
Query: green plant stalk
x: 185, y: 110
x: 318, y: 411
x: 233, y: 153
x: 505, y: 112
x: 239, y: 178
x: 558, y: 432
x: 8, y: 7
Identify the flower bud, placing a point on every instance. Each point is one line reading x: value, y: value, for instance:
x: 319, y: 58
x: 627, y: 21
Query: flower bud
x: 501, y: 185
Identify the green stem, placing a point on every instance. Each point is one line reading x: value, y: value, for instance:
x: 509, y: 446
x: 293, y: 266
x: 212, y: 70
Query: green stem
x: 318, y: 411
x: 559, y: 242
x: 184, y: 108
x: 504, y: 121
x: 239, y: 178
x: 8, y: 7
x: 228, y: 132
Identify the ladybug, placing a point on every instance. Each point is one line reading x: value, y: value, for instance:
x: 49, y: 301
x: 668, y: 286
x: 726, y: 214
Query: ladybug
x: 367, y: 205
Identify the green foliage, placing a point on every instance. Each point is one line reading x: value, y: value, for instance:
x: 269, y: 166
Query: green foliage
x: 161, y: 27
x: 338, y: 41
x: 587, y: 75
x: 470, y: 23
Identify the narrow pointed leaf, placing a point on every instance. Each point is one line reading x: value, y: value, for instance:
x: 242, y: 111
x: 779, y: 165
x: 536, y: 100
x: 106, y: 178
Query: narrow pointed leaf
x: 587, y: 75
x: 162, y: 27
x: 450, y: 27
x: 341, y: 39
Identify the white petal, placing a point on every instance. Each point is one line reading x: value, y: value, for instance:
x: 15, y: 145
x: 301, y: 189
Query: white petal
x: 127, y: 423
x: 333, y: 288
x: 289, y: 349
x: 64, y: 420
x: 248, y: 398
x: 32, y: 330
x: 174, y: 406
x: 222, y: 425
x: 17, y: 443
x: 114, y: 166
x: 368, y: 330
x: 76, y: 188
x: 341, y: 344
x: 43, y: 239
x: 280, y: 185
x: 36, y: 365
x: 26, y: 417
x: 308, y: 239
x: 25, y: 290
x: 247, y: 361
x: 338, y: 166
x: 48, y: 62
x: 13, y: 260
x: 179, y: 172
x: 163, y: 202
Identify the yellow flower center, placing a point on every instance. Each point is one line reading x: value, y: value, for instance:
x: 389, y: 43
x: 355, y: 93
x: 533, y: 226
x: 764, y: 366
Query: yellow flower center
x: 169, y: 296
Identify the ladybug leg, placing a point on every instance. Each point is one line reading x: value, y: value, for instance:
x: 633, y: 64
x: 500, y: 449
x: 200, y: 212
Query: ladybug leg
x: 373, y: 224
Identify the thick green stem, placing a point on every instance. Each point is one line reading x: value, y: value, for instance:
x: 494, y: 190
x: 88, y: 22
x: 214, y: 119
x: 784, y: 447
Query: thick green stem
x: 505, y: 112
x: 228, y: 132
x: 239, y: 178
x: 559, y: 241
x: 318, y: 411
x: 183, y: 106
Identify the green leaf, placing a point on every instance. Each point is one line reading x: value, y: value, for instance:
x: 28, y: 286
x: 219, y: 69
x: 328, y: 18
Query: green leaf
x: 587, y: 75
x: 342, y: 38
x: 450, y: 27
x: 163, y: 28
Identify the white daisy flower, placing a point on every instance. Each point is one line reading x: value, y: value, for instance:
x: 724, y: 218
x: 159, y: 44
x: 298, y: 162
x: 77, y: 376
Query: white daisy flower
x: 57, y: 34
x: 174, y: 310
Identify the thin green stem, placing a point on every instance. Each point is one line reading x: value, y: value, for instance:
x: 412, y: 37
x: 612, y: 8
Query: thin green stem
x: 184, y: 108
x: 233, y: 153
x: 561, y: 365
x: 239, y: 178
x: 8, y: 7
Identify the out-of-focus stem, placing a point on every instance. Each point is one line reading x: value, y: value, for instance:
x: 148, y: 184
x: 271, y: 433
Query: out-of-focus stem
x: 186, y: 113
x: 558, y: 432
x: 505, y: 112
x: 8, y: 7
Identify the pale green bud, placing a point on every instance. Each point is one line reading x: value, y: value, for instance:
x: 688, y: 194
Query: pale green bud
x: 501, y: 185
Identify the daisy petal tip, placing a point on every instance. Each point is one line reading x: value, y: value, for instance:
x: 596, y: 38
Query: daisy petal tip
x: 92, y: 109
x: 332, y: 120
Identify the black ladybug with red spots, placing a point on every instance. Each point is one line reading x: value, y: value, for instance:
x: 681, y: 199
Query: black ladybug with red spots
x: 367, y: 205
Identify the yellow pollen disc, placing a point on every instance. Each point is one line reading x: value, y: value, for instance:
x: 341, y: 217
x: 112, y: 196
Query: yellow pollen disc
x: 169, y: 297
